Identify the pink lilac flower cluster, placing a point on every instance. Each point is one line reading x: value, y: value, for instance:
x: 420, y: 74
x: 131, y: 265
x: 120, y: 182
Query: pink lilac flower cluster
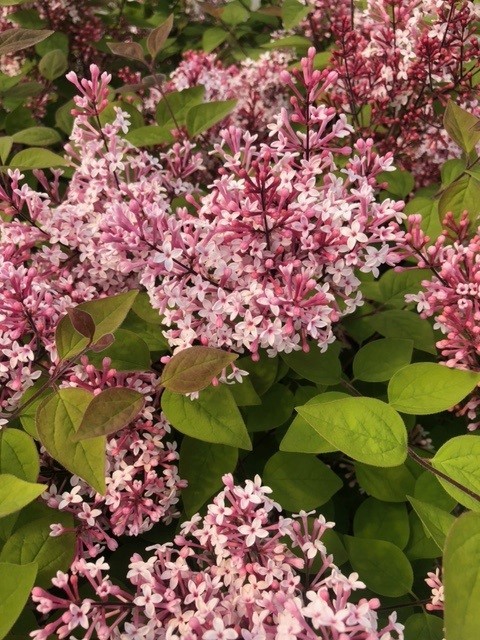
x: 434, y: 581
x: 267, y: 257
x: 452, y: 296
x: 51, y: 252
x: 397, y: 63
x: 143, y: 485
x: 241, y: 571
x: 255, y: 84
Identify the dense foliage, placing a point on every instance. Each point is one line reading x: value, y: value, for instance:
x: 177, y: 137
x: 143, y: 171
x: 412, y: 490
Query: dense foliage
x: 239, y: 320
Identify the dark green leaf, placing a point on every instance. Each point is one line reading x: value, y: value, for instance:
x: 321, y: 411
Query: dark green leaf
x: 300, y: 481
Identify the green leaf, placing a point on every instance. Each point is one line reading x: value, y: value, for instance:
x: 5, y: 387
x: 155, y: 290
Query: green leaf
x: 293, y: 12
x: 194, y: 368
x: 27, y: 415
x: 63, y: 117
x: 460, y: 126
x: 451, y: 170
x: 128, y: 353
x: 6, y: 143
x: 262, y: 373
x: 301, y: 437
x: 399, y: 183
x: 15, y: 493
x: 213, y: 417
x: 377, y: 361
x: 423, y: 626
x: 15, y: 586
x: 461, y: 578
x: 391, y: 485
x: 157, y: 37
x: 18, y: 455
x: 234, y: 13
x: 423, y: 388
x: 149, y: 136
x: 58, y: 419
x: 300, y: 481
x: 276, y: 408
x: 244, y: 393
x: 202, y: 465
x: 53, y: 64
x: 150, y: 333
x: 13, y: 40
x: 57, y: 40
x: 420, y: 545
x: 379, y: 520
x: 459, y: 459
x: 428, y: 489
x: 393, y: 286
x: 366, y: 429
x: 31, y: 541
x: 428, y: 209
x: 436, y: 522
x: 202, y: 117
x: 212, y: 38
x: 398, y: 324
x: 107, y: 314
x: 300, y: 43
x: 462, y: 195
x: 109, y: 411
x: 36, y: 159
x: 178, y: 103
x: 37, y: 136
x: 321, y: 368
x: 383, y: 567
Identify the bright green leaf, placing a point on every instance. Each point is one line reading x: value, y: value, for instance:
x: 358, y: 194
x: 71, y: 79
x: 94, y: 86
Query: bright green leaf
x: 177, y: 104
x: 58, y: 419
x: 37, y: 136
x: 293, y: 12
x: 107, y: 314
x: 18, y: 455
x: 129, y: 352
x: 436, y: 522
x: 15, y: 493
x: 462, y: 195
x: 460, y: 126
x: 461, y: 578
x: 366, y: 429
x: 459, y: 459
x: 213, y: 417
x: 36, y: 159
x: 423, y: 388
x: 202, y: 117
x: 301, y: 437
x: 15, y: 587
